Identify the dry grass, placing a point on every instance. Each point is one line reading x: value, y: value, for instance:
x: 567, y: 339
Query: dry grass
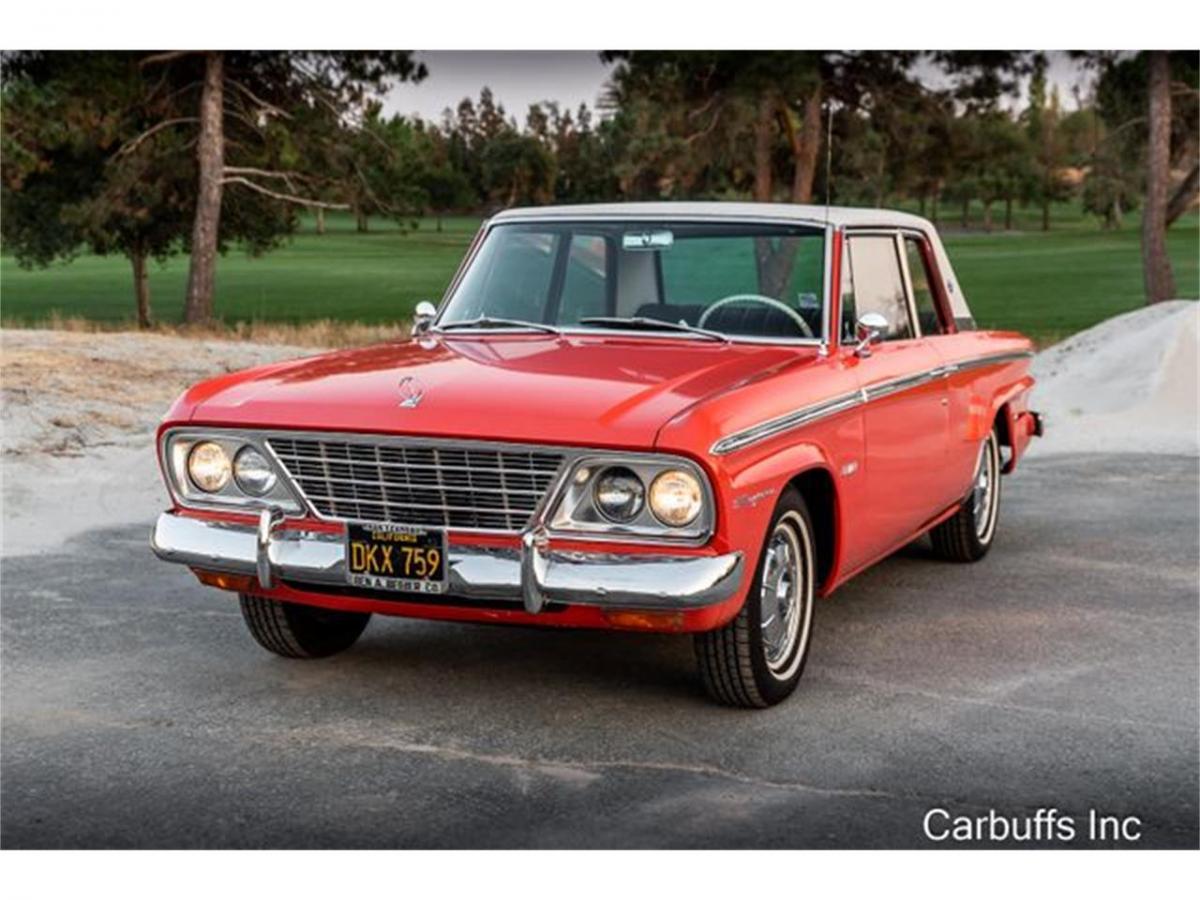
x: 322, y: 333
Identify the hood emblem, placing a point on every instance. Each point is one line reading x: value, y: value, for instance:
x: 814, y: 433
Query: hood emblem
x: 412, y: 392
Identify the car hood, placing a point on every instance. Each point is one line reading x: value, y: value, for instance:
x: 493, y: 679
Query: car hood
x: 584, y: 390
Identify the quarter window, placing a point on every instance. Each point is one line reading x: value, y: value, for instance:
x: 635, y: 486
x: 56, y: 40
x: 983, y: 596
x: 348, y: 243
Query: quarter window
x: 879, y: 284
x: 918, y: 274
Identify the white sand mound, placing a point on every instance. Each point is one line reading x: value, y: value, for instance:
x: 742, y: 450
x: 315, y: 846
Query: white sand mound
x: 1127, y: 385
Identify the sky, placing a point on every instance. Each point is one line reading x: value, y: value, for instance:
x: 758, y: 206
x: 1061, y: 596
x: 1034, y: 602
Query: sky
x: 519, y: 78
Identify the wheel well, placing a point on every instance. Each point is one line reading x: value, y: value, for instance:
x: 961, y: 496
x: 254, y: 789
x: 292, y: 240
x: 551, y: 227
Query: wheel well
x: 1002, y: 426
x: 817, y: 489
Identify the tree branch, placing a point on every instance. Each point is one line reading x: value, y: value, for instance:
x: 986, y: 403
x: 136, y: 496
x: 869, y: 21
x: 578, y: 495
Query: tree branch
x: 169, y: 56
x: 132, y: 144
x: 263, y: 104
x: 286, y: 198
x: 1185, y: 195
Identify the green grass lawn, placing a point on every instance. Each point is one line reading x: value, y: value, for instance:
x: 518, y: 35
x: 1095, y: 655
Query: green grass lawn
x: 1045, y: 284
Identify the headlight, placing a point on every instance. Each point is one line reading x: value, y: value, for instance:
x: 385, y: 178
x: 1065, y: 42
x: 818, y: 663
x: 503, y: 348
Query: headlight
x: 219, y: 468
x: 619, y: 494
x: 208, y: 467
x: 634, y: 496
x: 676, y: 498
x: 252, y: 472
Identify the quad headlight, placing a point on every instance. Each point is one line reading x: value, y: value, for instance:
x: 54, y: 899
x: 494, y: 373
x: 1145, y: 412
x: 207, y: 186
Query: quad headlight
x: 253, y: 473
x: 220, y: 468
x: 676, y: 498
x: 208, y: 466
x: 619, y: 494
x: 635, y: 496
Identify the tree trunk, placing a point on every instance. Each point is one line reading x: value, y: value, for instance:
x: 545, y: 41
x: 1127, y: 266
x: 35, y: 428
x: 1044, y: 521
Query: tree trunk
x: 1156, y: 265
x: 764, y: 132
x: 320, y: 213
x: 141, y: 289
x: 439, y: 222
x: 987, y: 215
x: 805, y: 144
x: 966, y: 212
x: 933, y: 205
x: 210, y: 150
x: 1045, y: 215
x: 1008, y: 204
x: 360, y: 220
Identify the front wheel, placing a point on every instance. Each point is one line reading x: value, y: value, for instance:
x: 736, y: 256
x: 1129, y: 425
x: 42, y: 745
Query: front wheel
x: 756, y: 660
x: 968, y: 534
x: 300, y: 632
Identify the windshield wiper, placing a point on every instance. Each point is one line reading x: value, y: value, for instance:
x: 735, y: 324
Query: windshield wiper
x: 490, y: 322
x: 644, y: 323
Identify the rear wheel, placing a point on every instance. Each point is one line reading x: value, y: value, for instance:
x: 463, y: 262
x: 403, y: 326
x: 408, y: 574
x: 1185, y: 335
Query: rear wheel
x: 756, y: 660
x: 968, y: 534
x: 300, y: 632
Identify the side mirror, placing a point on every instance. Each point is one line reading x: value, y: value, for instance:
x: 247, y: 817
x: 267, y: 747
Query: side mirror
x: 423, y: 317
x: 869, y: 329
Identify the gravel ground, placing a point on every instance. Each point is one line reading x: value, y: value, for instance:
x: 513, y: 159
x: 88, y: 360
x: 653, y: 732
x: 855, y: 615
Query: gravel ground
x: 1059, y: 672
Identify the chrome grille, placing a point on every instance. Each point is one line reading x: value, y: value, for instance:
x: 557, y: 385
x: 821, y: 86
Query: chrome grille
x: 447, y: 486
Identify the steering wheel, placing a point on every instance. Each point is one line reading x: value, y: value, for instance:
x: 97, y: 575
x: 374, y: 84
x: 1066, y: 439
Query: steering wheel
x: 757, y: 298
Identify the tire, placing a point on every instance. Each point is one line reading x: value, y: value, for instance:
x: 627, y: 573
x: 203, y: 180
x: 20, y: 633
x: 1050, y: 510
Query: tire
x: 969, y: 533
x: 744, y: 664
x: 300, y: 632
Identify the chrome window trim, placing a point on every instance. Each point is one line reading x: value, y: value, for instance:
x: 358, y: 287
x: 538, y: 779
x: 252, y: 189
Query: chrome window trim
x: 814, y: 412
x: 822, y: 227
x: 571, y: 458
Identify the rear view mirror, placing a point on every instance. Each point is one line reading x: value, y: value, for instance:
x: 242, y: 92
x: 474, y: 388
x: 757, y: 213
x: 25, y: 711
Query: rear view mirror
x: 869, y: 330
x: 647, y: 240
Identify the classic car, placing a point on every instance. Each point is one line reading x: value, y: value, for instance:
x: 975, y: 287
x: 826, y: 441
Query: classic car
x: 677, y: 417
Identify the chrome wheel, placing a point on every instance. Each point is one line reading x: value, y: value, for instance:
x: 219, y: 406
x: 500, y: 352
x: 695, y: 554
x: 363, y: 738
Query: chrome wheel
x: 984, y: 491
x: 785, y: 597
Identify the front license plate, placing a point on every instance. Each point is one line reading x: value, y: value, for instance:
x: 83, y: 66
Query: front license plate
x: 396, y: 558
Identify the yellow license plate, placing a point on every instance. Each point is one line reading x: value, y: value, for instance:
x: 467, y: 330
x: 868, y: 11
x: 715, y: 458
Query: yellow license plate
x: 396, y: 558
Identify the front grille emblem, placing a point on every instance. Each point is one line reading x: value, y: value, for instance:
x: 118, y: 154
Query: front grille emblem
x: 411, y: 392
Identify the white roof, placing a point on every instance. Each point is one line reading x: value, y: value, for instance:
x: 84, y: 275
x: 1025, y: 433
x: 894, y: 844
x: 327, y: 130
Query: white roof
x: 811, y: 214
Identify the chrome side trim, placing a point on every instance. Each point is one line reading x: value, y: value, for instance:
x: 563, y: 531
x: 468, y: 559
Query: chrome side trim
x: 990, y: 360
x: 531, y: 576
x: 806, y: 415
x: 803, y: 416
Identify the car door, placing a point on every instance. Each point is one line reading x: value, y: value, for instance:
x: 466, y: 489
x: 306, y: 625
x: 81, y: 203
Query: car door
x: 905, y: 419
x: 936, y: 325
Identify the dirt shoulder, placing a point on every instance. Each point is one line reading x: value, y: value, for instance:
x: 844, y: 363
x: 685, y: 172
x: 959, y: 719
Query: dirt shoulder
x: 79, y: 411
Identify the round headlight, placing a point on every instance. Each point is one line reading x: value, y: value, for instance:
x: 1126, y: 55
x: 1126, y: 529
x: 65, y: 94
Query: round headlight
x: 208, y: 466
x: 676, y: 498
x: 252, y: 472
x: 619, y: 494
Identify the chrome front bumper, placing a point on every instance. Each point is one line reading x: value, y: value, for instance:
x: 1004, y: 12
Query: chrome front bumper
x: 532, y: 575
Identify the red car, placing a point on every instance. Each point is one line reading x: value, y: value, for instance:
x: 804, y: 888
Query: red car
x: 680, y: 417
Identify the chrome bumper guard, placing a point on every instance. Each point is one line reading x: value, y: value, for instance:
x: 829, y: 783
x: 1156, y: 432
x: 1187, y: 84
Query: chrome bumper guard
x: 532, y: 575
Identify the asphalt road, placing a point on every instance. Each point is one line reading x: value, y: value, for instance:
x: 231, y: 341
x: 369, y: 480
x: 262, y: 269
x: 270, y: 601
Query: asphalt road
x: 1059, y: 672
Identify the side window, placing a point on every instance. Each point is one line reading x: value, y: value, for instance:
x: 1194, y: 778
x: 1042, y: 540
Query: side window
x: 585, y: 282
x: 918, y: 273
x: 878, y: 283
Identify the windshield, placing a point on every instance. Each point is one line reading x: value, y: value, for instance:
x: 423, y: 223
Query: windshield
x: 733, y: 280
